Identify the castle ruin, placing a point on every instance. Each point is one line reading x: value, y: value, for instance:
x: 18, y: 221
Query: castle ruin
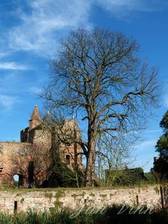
x: 30, y: 158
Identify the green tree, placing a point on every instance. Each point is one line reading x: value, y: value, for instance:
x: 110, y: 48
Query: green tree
x: 99, y: 76
x: 161, y: 163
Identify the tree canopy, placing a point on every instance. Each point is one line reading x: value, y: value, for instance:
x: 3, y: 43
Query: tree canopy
x: 161, y: 163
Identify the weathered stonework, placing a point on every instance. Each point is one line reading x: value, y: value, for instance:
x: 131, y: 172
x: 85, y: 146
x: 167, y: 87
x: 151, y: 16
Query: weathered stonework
x: 76, y: 199
x: 18, y: 158
x: 11, y: 159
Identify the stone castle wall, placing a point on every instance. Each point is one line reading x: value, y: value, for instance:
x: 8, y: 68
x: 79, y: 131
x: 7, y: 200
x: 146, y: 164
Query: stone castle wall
x: 13, y: 160
x: 75, y: 199
x: 30, y: 159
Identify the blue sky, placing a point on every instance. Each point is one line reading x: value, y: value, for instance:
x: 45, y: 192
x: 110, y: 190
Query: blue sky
x: 30, y: 31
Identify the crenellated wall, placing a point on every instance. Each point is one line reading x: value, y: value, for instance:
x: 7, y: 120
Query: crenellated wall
x: 75, y: 199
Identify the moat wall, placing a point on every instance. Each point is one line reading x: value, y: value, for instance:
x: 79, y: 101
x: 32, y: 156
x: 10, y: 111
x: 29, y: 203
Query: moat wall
x: 43, y: 200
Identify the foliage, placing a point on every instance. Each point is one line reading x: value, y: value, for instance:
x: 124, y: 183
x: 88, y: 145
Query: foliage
x: 161, y: 164
x: 62, y: 176
x: 162, y: 145
x: 126, y: 177
x: 108, y: 216
x: 161, y: 168
x: 164, y: 121
x: 150, y: 178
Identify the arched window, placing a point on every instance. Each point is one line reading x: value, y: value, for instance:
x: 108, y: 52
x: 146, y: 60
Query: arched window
x: 18, y: 179
x: 67, y: 158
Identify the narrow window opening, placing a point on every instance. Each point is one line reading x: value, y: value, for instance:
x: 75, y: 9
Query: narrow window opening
x: 68, y: 159
x: 30, y: 174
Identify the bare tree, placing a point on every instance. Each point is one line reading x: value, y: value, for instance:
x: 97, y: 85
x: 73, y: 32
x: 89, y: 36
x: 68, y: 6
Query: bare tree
x: 113, y: 154
x: 99, y: 76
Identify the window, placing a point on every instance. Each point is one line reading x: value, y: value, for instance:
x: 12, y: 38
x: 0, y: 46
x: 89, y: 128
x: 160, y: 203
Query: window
x: 68, y: 159
x: 1, y: 167
x: 18, y: 179
x: 31, y: 174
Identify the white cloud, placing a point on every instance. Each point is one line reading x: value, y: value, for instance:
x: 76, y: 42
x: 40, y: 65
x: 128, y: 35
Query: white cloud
x: 40, y: 29
x: 120, y: 8
x: 46, y: 21
x: 165, y: 101
x: 146, y: 144
x: 127, y: 4
x: 164, y: 94
x: 4, y: 54
x: 7, y: 102
x: 153, y: 131
x: 35, y: 90
x: 12, y: 66
x: 144, y: 153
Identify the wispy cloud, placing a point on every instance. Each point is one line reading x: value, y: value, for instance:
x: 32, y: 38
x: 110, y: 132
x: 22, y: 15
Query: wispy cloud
x: 35, y: 90
x: 12, y: 66
x: 144, y: 153
x: 46, y: 21
x: 7, y: 102
x: 165, y: 101
x: 145, y: 145
x: 164, y: 94
x: 4, y: 54
x: 40, y: 29
x: 120, y: 8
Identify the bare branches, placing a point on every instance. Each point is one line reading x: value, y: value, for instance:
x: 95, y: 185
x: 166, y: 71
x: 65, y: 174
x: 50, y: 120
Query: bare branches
x: 100, y: 77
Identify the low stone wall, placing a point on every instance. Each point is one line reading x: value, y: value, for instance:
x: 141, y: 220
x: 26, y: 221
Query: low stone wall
x: 41, y: 200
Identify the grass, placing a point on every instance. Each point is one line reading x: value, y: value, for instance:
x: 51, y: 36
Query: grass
x: 108, y: 216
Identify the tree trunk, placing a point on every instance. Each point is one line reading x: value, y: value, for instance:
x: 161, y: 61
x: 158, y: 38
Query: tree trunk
x: 90, y: 165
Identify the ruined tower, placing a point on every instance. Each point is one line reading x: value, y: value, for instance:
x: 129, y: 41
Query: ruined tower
x: 35, y: 118
x: 30, y: 158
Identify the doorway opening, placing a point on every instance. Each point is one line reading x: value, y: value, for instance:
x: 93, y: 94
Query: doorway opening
x: 18, y: 179
x: 30, y: 174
